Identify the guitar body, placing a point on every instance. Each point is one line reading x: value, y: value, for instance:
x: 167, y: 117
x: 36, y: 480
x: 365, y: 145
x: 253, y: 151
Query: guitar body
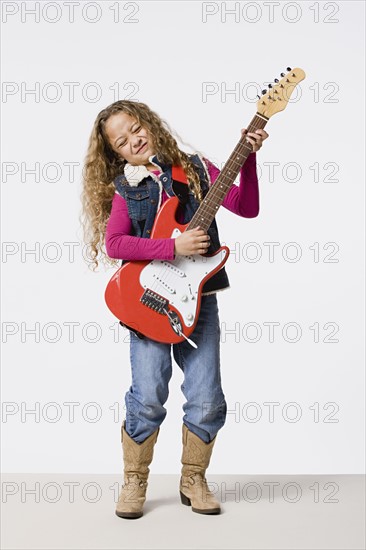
x: 140, y: 292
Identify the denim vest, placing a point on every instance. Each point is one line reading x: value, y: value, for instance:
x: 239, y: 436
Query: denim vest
x: 142, y: 202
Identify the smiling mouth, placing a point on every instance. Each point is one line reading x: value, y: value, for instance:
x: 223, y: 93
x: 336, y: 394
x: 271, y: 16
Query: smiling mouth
x: 142, y: 147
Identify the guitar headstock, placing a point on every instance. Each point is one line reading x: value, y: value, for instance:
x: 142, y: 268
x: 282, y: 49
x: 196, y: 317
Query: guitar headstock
x: 278, y: 95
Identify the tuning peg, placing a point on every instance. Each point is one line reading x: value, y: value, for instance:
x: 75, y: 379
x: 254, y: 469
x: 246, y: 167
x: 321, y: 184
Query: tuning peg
x: 276, y: 79
x: 258, y: 96
x: 288, y: 69
x: 269, y: 85
x: 282, y: 74
x: 264, y: 92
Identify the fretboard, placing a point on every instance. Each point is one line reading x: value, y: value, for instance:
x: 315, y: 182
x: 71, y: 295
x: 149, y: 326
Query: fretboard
x: 206, y: 212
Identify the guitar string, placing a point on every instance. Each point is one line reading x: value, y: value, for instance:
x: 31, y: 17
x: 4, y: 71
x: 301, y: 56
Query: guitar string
x: 238, y: 150
x: 165, y: 274
x: 218, y: 193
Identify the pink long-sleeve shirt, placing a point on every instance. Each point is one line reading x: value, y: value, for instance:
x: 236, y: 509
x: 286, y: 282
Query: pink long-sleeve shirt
x: 242, y: 200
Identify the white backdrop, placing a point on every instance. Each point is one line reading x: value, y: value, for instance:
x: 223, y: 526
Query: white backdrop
x: 295, y: 396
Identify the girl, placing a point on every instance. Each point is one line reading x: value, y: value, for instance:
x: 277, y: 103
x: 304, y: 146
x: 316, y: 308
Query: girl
x: 127, y: 177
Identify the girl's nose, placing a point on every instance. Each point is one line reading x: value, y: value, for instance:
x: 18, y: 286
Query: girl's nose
x: 136, y: 144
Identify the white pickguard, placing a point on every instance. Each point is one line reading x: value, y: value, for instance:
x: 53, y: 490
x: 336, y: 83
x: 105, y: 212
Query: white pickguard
x: 178, y: 280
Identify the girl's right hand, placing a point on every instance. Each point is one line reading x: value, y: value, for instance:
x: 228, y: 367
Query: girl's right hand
x: 192, y: 241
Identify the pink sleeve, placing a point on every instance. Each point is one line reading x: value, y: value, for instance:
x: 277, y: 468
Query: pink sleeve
x: 120, y: 244
x: 242, y: 200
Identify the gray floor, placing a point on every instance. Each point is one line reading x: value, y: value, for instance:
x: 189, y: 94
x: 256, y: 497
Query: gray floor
x: 259, y: 512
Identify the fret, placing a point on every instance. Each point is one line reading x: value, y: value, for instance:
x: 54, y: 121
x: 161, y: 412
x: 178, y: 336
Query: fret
x: 206, y: 212
x: 212, y: 209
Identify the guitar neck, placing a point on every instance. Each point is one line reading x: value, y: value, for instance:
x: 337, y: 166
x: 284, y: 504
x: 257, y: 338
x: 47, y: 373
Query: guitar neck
x: 206, y: 212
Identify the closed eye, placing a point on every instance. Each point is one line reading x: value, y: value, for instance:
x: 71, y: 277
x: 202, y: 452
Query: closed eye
x: 137, y: 129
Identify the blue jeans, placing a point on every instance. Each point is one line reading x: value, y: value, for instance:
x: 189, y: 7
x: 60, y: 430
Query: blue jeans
x: 151, y: 365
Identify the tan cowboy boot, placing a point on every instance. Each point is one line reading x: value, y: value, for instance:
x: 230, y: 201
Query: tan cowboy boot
x: 136, y: 457
x: 193, y: 484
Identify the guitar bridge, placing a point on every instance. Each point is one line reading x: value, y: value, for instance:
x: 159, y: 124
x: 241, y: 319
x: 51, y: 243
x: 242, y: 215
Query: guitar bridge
x: 154, y: 301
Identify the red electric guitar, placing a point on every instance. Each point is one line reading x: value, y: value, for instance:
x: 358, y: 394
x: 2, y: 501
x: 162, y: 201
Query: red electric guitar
x: 161, y: 299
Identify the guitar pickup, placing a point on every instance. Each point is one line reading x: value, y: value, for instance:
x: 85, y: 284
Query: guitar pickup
x: 154, y: 301
x: 174, y: 268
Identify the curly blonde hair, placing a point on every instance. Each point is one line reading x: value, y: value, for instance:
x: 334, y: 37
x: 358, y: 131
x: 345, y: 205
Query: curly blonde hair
x: 102, y: 165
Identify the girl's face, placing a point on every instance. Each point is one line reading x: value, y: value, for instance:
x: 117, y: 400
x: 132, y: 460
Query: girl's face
x: 129, y: 139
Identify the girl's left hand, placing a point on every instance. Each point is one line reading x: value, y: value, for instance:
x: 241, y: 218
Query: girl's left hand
x: 255, y: 138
